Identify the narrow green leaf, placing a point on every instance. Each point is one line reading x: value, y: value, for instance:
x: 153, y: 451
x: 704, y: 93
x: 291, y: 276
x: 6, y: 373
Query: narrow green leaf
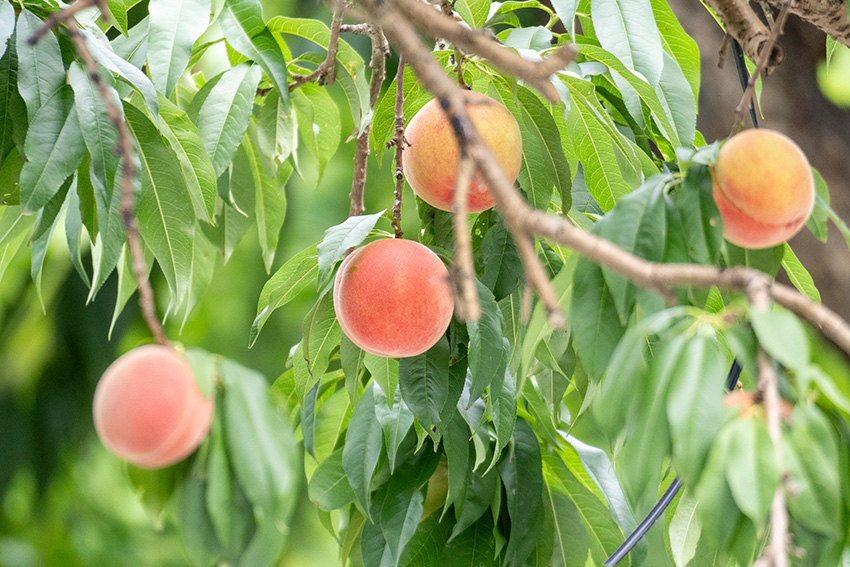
x: 362, y: 448
x: 74, y: 233
x: 700, y: 218
x: 7, y: 25
x: 195, y: 165
x: 269, y: 198
x: 783, y: 337
x: 396, y: 420
x: 332, y: 420
x: 474, y: 547
x: 277, y: 128
x: 40, y: 69
x: 319, y: 123
x: 678, y: 43
x: 594, y: 319
x: 423, y: 381
x: 522, y: 476
x: 751, y: 468
x: 570, y: 543
x: 329, y: 487
x: 473, y: 12
x: 175, y: 25
x: 45, y: 224
x: 12, y: 107
x: 289, y: 280
x: 221, y: 111
x: 165, y: 214
x: 799, y: 275
x: 488, y: 351
x: 385, y: 373
x: 54, y: 148
x: 627, y: 29
x: 339, y: 238
x: 503, y: 270
x: 678, y: 100
x: 817, y: 223
x: 321, y: 335
x: 685, y: 529
x: 425, y: 548
x: 241, y: 21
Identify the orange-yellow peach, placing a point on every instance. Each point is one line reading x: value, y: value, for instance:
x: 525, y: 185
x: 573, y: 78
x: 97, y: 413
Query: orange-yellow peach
x: 392, y: 298
x: 148, y: 409
x: 763, y: 187
x: 430, y: 162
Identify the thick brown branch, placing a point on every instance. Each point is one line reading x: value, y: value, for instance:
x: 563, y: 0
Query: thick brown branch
x: 467, y: 306
x: 761, y: 66
x: 147, y: 302
x: 828, y: 15
x: 398, y: 142
x: 741, y: 22
x: 535, y: 74
x: 378, y: 64
x: 324, y: 73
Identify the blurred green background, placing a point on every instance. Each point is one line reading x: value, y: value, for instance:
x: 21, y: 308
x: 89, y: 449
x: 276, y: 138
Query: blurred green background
x: 64, y: 500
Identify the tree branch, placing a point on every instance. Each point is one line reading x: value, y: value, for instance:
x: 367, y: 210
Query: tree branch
x: 147, y: 303
x: 828, y: 15
x: 378, y: 63
x: 324, y: 73
x: 761, y: 66
x: 398, y: 141
x: 535, y: 74
x: 467, y: 306
x: 743, y: 24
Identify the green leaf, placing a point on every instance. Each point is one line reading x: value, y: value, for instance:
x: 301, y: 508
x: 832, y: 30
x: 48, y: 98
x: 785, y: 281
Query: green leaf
x: 767, y: 260
x: 627, y: 29
x: 593, y: 146
x: 423, y: 381
x: 415, y: 97
x: 339, y: 238
x: 384, y: 372
x: 566, y: 11
x: 678, y: 100
x: 7, y: 25
x: 480, y: 493
x: 103, y: 54
x: 570, y: 544
x: 98, y: 132
x: 290, y: 279
x: 321, y: 335
x: 459, y: 461
x: 544, y: 165
x: 165, y: 214
x: 503, y: 270
x: 111, y: 235
x: 473, y: 12
x: 799, y: 275
x: 695, y: 404
x: 425, y: 548
x: 222, y: 109
x: 751, y: 468
x: 40, y: 69
x: 488, y: 351
x: 594, y: 319
x: 54, y: 148
x: 643, y: 89
x: 329, y: 487
x: 277, y: 128
x: 700, y: 218
x: 12, y: 106
x: 362, y: 448
x: 241, y: 21
x: 474, y: 547
x: 175, y: 25
x: 45, y: 224
x: 395, y: 419
x: 261, y: 445
x: 678, y: 43
x: 781, y: 334
x: 684, y: 530
x: 197, y: 168
x: 331, y: 421
x: 318, y: 122
x: 820, y: 214
x: 522, y: 476
x: 74, y: 233
x: 269, y: 198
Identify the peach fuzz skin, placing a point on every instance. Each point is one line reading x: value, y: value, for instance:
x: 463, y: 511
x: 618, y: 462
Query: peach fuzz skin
x: 430, y: 162
x: 763, y: 187
x: 392, y: 298
x: 148, y: 409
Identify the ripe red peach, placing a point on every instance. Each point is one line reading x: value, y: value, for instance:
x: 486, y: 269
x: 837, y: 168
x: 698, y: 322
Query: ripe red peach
x: 430, y: 162
x: 148, y: 409
x: 763, y: 187
x: 392, y: 298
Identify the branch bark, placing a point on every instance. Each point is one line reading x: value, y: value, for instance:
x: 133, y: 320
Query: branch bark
x: 398, y: 141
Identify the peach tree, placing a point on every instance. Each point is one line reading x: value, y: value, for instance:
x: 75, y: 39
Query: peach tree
x: 599, y: 315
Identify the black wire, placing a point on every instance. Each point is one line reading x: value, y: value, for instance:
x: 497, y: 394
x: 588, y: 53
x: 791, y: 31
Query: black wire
x: 743, y: 76
x: 666, y: 498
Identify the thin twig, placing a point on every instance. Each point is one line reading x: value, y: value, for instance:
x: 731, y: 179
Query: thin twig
x: 398, y: 141
x: 534, y: 73
x: 65, y: 15
x: 459, y: 57
x: 147, y: 303
x: 378, y: 63
x: 324, y: 73
x: 768, y: 388
x: 761, y: 66
x: 523, y: 221
x: 467, y: 306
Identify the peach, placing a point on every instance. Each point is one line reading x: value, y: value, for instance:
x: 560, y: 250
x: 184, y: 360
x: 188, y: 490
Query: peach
x: 430, y: 162
x: 148, y: 409
x: 763, y: 187
x: 392, y: 298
